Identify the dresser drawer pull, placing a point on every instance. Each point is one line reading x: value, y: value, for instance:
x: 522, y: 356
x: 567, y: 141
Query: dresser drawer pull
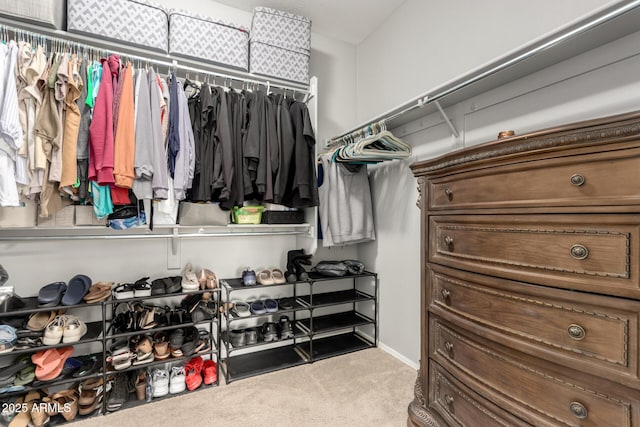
x: 576, y: 332
x: 577, y: 180
x: 448, y: 193
x: 448, y: 399
x: 579, y: 252
x: 578, y: 410
x: 448, y: 346
x: 446, y: 294
x: 448, y: 240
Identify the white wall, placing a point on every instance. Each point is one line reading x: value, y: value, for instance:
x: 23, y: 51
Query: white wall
x: 594, y: 84
x: 427, y: 43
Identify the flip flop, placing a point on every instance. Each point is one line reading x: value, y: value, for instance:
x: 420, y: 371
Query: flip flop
x: 78, y: 287
x: 265, y: 278
x: 62, y: 354
x: 278, y: 276
x: 39, y: 320
x: 51, y: 294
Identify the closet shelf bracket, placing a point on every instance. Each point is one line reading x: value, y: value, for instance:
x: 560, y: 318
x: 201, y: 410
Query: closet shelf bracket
x: 174, y: 241
x: 446, y: 119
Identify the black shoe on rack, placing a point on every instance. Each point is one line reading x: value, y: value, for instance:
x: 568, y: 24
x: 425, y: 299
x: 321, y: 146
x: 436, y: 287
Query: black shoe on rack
x: 269, y: 332
x: 284, y: 325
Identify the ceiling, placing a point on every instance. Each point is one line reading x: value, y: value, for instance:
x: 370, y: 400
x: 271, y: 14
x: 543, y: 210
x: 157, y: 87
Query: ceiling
x: 347, y: 20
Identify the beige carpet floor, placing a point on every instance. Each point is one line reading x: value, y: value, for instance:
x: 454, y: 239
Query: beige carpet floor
x: 365, y: 388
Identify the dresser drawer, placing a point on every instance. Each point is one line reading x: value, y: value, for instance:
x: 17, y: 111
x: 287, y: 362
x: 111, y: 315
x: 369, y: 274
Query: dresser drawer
x: 583, y: 252
x: 460, y: 406
x: 536, y: 392
x: 593, y: 334
x: 596, y: 179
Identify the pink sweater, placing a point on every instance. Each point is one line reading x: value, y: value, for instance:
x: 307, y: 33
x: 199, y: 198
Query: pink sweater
x: 101, y: 132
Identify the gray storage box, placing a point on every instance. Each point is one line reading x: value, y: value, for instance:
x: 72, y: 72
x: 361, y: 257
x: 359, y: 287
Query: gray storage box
x: 202, y: 214
x: 282, y: 29
x: 49, y: 13
x: 135, y: 22
x: 206, y: 39
x: 280, y: 45
x: 274, y: 61
x: 19, y: 216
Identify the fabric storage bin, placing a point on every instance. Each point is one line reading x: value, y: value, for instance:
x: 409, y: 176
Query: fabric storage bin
x: 282, y: 29
x: 49, y: 13
x: 134, y: 22
x: 65, y: 217
x: 19, y: 216
x: 206, y: 39
x: 86, y: 216
x: 274, y: 61
x: 280, y: 45
x: 202, y: 214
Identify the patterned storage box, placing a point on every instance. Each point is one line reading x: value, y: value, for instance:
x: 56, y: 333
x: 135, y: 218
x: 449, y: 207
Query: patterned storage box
x: 280, y: 45
x: 278, y: 62
x: 282, y: 29
x: 135, y: 22
x: 206, y: 39
x: 51, y: 13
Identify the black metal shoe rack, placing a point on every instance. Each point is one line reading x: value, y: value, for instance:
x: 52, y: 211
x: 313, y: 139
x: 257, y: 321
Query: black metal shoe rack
x: 330, y: 316
x: 97, y: 340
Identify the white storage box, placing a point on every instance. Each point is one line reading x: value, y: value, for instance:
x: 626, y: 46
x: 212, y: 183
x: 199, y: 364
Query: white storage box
x: 49, y: 13
x: 202, y: 214
x: 280, y: 45
x: 19, y: 216
x: 64, y: 217
x: 282, y: 29
x: 135, y: 22
x: 274, y: 61
x: 86, y: 216
x: 206, y: 39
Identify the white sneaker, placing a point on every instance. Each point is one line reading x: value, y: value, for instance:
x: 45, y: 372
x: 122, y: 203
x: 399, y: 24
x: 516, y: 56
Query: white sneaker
x: 177, y: 384
x: 160, y: 382
x: 189, y: 279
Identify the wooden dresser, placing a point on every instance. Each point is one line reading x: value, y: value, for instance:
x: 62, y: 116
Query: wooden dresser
x: 531, y: 280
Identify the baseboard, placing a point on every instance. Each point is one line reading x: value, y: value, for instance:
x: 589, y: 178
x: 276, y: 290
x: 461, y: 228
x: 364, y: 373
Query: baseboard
x: 398, y: 356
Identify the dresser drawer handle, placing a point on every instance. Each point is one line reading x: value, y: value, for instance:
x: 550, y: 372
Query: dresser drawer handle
x: 577, y: 180
x: 579, y: 252
x: 448, y: 240
x: 448, y: 399
x: 446, y: 293
x: 448, y: 346
x: 448, y: 193
x: 576, y: 332
x: 577, y: 409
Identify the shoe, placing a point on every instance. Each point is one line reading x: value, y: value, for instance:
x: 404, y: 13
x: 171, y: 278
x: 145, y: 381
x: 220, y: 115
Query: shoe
x: 241, y: 309
x: 173, y: 284
x: 89, y: 366
x: 89, y: 395
x: 177, y: 380
x: 66, y: 403
x: 286, y: 303
x: 205, y: 342
x: 212, y: 280
x: 248, y: 277
x: 269, y: 332
x: 264, y: 277
x: 160, y: 382
x: 176, y: 339
x: 141, y: 384
x: 237, y: 338
x: 118, y: 393
x: 191, y: 340
x: 99, y: 292
x: 158, y: 287
x: 193, y: 369
x: 49, y: 363
x: 258, y: 308
x: 209, y: 372
x: 39, y: 320
x: 142, y: 288
x: 54, y: 331
x: 161, y: 346
x: 8, y: 338
x: 278, y: 276
x: 50, y: 295
x: 74, y: 329
x: 124, y: 291
x: 270, y: 305
x: 77, y: 288
x: 189, y: 280
x: 284, y: 326
x: 251, y: 336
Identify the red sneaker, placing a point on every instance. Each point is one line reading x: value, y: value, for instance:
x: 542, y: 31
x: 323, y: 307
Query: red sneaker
x: 210, y: 372
x: 193, y: 371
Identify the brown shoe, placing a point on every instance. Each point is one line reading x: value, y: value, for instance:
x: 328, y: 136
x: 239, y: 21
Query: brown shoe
x: 141, y: 385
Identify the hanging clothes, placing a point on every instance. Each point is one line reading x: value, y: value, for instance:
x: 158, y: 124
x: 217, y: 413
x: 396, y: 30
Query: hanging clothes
x: 305, y: 186
x: 10, y: 129
x: 72, y: 128
x: 185, y: 158
x: 286, y: 149
x: 82, y: 143
x: 346, y: 213
x: 160, y: 180
x: 101, y: 132
x: 173, y: 138
x: 125, y: 135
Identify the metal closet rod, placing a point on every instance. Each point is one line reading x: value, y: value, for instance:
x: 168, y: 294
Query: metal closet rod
x: 477, y: 76
x: 5, y: 28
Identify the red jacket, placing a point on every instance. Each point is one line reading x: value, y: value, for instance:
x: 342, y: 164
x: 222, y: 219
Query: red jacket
x: 101, y: 131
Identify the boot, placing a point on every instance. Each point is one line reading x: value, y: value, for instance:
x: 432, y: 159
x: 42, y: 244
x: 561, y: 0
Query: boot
x: 298, y: 262
x: 290, y: 274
